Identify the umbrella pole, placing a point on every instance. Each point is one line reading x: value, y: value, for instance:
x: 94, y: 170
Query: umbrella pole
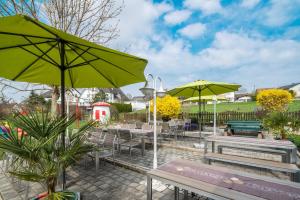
x: 62, y: 104
x: 199, y: 118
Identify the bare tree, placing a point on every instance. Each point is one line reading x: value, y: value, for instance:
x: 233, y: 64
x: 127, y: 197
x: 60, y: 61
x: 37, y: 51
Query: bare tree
x: 94, y: 20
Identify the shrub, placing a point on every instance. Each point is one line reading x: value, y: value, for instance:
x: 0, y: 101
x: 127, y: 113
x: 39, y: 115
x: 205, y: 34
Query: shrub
x: 167, y: 107
x: 274, y: 99
x: 295, y: 139
x: 122, y: 108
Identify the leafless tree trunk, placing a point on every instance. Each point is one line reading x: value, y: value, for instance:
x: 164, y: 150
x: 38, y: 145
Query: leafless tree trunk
x: 94, y: 20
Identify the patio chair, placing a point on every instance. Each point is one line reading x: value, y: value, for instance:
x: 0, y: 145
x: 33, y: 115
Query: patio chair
x: 172, y: 127
x: 146, y: 126
x: 159, y: 137
x: 180, y: 130
x: 188, y: 124
x: 106, y: 149
x: 125, y: 139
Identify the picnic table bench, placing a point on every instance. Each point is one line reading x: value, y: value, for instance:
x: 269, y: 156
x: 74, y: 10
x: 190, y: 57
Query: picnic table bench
x: 289, y: 168
x: 281, y: 153
x: 220, y: 183
x: 244, y: 126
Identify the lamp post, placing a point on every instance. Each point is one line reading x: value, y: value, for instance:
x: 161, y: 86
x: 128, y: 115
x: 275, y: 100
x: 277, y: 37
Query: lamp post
x: 152, y: 92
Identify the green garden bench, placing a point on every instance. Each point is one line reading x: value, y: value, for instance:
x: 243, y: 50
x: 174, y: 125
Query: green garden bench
x: 235, y: 126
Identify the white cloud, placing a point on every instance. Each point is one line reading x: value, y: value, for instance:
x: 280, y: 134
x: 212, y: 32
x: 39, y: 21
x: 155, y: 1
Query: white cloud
x: 177, y: 17
x: 232, y: 57
x: 193, y: 30
x: 137, y: 21
x: 206, y: 6
x: 280, y: 12
x: 249, y: 3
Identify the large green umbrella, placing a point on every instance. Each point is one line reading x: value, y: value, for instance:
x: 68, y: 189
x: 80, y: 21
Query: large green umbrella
x: 201, y: 88
x: 32, y: 51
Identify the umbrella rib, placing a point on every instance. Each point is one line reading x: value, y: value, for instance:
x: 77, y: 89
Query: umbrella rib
x: 41, y: 51
x: 39, y: 25
x: 79, y: 55
x: 18, y: 34
x: 24, y: 45
x: 128, y: 56
x: 26, y: 68
x: 83, y: 63
x: 106, y: 61
x: 179, y: 91
x: 95, y: 69
x: 38, y: 56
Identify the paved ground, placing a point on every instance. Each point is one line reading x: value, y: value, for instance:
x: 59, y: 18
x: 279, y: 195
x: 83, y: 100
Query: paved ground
x: 114, y: 182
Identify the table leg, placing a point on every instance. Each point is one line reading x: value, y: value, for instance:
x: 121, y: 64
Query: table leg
x: 176, y: 193
x: 293, y: 158
x: 149, y: 188
x: 185, y: 195
x: 213, y: 147
x: 205, y: 146
x: 143, y: 146
x: 97, y: 160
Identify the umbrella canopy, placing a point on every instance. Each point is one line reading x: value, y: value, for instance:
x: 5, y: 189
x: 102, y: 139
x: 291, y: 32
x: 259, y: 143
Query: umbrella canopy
x: 204, y: 88
x: 204, y: 98
x: 32, y: 51
x: 201, y: 88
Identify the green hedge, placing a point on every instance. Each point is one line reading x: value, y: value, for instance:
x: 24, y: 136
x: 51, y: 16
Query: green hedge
x: 122, y: 108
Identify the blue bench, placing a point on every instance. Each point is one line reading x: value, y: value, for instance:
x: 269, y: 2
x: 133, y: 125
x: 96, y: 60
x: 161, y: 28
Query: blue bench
x: 244, y: 126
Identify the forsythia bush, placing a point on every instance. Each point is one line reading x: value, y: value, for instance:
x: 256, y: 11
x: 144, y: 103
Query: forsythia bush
x: 274, y: 99
x: 167, y: 106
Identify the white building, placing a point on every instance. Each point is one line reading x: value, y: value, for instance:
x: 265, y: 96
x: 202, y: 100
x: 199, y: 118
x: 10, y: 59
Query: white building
x: 85, y: 97
x: 137, y: 103
x: 294, y: 87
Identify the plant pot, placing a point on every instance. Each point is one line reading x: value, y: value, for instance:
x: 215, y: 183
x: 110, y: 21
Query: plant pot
x: 45, y: 194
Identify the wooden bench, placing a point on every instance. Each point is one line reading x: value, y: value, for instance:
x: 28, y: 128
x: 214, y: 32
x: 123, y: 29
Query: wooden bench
x: 292, y: 169
x: 244, y: 126
x: 281, y: 153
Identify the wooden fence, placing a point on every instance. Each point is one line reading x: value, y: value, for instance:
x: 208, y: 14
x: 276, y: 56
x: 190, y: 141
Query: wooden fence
x: 207, y: 117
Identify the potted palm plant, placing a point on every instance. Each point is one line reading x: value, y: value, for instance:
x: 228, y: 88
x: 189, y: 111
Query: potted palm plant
x: 39, y: 155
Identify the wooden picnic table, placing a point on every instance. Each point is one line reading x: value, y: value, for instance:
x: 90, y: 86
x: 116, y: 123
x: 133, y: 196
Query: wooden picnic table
x: 283, y: 145
x: 220, y: 183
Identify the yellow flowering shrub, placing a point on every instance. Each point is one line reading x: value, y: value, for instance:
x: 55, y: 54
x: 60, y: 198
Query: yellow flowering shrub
x: 274, y: 99
x: 167, y: 107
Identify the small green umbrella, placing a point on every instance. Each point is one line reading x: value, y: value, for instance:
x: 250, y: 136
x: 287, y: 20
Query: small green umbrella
x: 201, y: 88
x: 31, y: 51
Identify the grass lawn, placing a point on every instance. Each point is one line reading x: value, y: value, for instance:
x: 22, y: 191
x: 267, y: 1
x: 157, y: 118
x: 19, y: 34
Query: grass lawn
x: 240, y: 107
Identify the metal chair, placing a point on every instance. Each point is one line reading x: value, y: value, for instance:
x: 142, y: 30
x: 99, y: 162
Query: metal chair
x: 126, y: 140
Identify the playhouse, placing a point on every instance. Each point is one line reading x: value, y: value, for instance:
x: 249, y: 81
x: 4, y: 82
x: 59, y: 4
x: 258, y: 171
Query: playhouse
x: 101, y: 112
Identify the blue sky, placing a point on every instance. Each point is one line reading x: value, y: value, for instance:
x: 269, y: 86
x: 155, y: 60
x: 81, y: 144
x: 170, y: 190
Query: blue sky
x: 255, y: 43
x: 251, y: 42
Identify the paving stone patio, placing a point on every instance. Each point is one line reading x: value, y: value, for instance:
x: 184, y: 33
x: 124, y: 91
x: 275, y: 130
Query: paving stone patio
x: 115, y: 182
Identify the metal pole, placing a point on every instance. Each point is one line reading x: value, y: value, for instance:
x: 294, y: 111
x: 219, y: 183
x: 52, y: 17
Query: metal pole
x: 68, y: 112
x: 215, y: 114
x: 154, y: 127
x: 62, y: 104
x: 199, y: 105
x: 149, y: 113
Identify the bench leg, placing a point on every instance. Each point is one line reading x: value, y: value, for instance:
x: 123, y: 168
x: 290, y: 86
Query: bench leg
x: 220, y: 150
x: 176, y: 193
x: 149, y: 188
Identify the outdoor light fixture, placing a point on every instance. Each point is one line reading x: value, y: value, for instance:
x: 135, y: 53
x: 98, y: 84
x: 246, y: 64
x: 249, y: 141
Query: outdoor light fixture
x: 152, y: 92
x: 147, y: 90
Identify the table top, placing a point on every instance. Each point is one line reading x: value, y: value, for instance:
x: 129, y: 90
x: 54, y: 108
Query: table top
x: 136, y: 131
x: 227, y: 183
x: 280, y: 144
